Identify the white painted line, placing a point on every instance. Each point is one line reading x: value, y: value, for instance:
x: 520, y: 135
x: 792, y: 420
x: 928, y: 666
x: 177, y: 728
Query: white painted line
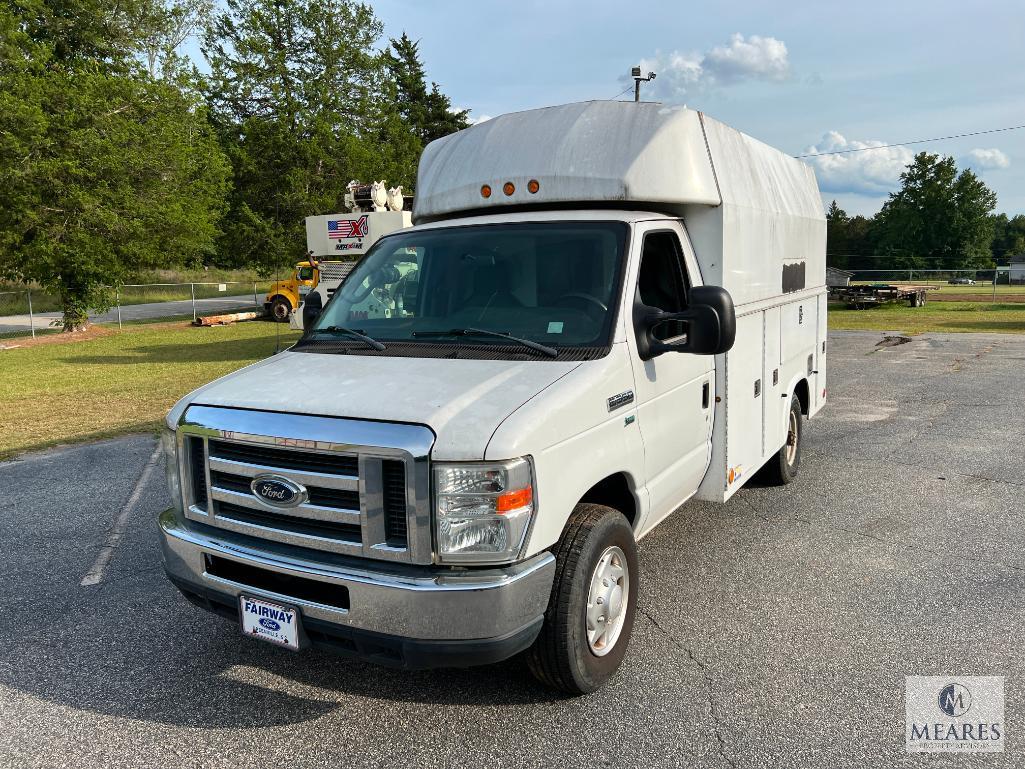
x: 95, y: 575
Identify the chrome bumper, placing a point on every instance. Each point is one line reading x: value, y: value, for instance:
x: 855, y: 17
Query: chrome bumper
x: 385, y: 599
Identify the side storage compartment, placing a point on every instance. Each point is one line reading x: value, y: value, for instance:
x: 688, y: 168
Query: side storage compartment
x: 738, y: 438
x: 799, y: 333
x: 774, y: 404
x: 745, y: 394
x: 821, y: 353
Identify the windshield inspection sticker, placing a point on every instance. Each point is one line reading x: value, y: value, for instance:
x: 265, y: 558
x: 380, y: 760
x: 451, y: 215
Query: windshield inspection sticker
x: 954, y: 714
x: 555, y: 327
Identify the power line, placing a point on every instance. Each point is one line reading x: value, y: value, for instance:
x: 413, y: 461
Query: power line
x: 904, y: 144
x: 622, y: 92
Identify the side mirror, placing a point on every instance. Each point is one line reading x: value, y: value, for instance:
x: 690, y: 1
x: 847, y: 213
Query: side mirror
x: 312, y: 308
x: 711, y: 324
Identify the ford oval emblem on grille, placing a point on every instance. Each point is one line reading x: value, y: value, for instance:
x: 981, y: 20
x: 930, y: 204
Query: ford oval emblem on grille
x: 278, y: 491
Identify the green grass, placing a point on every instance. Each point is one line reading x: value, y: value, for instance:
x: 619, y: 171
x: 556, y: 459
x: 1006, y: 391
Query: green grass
x: 69, y: 391
x: 934, y: 316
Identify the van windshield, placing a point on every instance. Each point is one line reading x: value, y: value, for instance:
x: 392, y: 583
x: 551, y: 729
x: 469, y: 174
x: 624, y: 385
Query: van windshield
x: 553, y: 284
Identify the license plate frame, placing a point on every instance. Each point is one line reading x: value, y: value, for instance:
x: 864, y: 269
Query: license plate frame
x: 270, y: 621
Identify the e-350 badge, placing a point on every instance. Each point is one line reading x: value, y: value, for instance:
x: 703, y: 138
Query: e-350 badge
x: 620, y: 400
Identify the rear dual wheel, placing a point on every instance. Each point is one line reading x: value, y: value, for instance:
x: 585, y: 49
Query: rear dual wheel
x: 783, y: 467
x: 591, y: 611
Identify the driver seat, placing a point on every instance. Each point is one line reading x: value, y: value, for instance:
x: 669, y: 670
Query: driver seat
x: 491, y: 287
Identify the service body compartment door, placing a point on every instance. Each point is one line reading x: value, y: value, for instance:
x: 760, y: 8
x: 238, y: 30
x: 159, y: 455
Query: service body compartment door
x: 774, y: 405
x: 745, y: 396
x: 800, y: 331
x: 821, y: 352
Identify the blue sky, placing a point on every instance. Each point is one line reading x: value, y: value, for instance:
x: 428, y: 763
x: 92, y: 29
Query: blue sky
x: 798, y: 75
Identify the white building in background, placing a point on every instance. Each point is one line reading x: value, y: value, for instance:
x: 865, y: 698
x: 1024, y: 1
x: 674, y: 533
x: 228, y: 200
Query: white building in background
x: 1016, y: 269
x: 837, y: 277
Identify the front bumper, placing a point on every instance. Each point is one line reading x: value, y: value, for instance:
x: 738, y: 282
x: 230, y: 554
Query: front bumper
x: 386, y: 613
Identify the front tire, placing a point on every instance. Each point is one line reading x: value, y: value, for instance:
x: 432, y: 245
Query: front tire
x: 783, y: 467
x: 280, y: 309
x: 591, y: 611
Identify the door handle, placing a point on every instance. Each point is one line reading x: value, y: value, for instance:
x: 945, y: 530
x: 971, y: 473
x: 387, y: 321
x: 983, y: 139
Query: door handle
x: 704, y: 395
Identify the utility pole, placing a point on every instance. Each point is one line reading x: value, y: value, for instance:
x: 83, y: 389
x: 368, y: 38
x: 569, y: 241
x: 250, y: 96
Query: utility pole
x: 635, y: 73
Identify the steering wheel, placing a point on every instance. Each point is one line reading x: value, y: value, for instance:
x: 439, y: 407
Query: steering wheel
x: 587, y: 298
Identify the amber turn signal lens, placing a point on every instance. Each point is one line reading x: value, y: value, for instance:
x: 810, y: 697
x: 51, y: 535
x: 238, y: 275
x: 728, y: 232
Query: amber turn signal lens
x: 533, y: 186
x: 485, y: 191
x: 514, y: 500
x: 508, y: 188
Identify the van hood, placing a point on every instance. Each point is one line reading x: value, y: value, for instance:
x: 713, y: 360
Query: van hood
x: 462, y: 401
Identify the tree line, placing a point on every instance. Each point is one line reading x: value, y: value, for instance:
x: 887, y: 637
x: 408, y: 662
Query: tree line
x: 118, y: 154
x: 940, y: 218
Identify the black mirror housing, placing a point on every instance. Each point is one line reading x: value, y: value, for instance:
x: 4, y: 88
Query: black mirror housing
x: 312, y: 307
x: 718, y: 300
x: 711, y: 324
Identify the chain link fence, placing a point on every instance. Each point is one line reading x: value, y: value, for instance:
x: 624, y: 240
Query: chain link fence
x: 30, y: 311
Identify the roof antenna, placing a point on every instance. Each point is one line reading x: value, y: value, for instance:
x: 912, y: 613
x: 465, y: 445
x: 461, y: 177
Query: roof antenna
x: 635, y: 73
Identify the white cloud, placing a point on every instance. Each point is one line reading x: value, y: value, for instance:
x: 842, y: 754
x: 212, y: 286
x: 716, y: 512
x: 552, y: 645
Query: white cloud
x: 480, y: 119
x: 986, y: 159
x: 752, y: 58
x: 762, y: 58
x: 873, y: 172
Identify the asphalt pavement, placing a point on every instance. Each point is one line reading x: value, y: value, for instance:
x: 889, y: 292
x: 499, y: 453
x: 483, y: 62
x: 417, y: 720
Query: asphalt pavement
x: 774, y: 630
x: 150, y: 311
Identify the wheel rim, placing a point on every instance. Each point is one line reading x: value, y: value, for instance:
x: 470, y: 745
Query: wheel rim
x: 607, y: 601
x: 280, y: 311
x: 792, y: 438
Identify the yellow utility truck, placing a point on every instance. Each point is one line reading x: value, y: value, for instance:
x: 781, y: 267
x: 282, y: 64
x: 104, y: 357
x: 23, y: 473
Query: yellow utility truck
x: 334, y: 243
x: 285, y: 295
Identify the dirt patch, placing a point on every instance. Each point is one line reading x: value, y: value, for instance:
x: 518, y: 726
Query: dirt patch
x: 95, y: 331
x: 936, y: 296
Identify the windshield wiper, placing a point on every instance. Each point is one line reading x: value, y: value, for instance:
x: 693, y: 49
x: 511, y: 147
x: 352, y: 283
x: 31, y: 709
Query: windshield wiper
x: 551, y: 352
x: 353, y: 333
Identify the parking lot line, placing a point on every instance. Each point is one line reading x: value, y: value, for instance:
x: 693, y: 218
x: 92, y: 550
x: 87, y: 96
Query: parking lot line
x: 95, y: 574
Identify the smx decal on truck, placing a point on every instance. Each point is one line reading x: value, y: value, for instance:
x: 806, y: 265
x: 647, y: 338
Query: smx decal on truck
x: 347, y: 228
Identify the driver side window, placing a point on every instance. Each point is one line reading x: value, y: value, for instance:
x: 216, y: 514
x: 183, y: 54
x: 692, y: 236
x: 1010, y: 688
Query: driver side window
x: 662, y: 281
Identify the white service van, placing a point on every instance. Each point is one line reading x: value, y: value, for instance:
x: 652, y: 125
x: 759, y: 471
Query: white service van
x: 605, y: 309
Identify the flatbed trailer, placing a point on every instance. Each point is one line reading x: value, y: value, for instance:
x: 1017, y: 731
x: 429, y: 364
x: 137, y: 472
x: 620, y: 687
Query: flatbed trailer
x: 860, y: 297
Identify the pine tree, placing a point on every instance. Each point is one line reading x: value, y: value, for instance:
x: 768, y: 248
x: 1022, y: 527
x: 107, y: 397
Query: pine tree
x: 939, y: 218
x: 302, y: 103
x: 428, y: 111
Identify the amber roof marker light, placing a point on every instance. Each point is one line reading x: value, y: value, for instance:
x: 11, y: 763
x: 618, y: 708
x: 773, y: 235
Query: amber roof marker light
x: 485, y: 191
x: 533, y: 186
x: 508, y: 188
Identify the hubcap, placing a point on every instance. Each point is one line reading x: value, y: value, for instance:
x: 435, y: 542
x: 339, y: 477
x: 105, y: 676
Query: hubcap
x: 792, y: 439
x: 607, y: 601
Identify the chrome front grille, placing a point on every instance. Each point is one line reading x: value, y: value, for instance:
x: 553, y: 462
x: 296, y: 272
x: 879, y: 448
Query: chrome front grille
x: 366, y: 483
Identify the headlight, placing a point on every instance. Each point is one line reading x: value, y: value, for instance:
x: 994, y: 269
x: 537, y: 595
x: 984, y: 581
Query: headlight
x: 482, y: 510
x: 169, y: 443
